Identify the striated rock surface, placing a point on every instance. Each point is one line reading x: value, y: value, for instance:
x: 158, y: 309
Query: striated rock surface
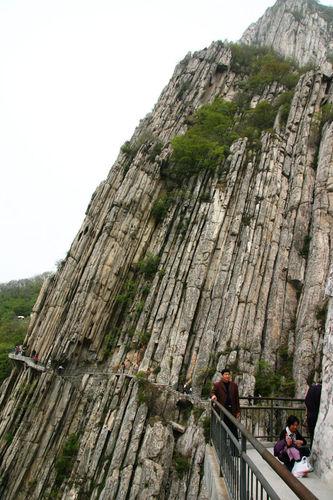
x: 323, y: 455
x: 299, y: 29
x: 234, y: 273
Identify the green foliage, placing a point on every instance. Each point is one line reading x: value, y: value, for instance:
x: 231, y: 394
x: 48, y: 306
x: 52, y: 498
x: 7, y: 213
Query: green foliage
x: 267, y: 380
x: 327, y: 113
x: 9, y: 437
x: 149, y: 265
x: 306, y: 246
x: 193, y: 153
x: 128, y: 292
x: 131, y: 148
x: 206, y: 197
x: 256, y: 120
x: 155, y: 150
x: 285, y: 372
x: 127, y: 149
x: 243, y: 57
x: 110, y: 342
x: 262, y: 117
x: 16, y: 299
x: 141, y: 375
x: 65, y: 460
x: 161, y: 206
x: 181, y: 464
x: 149, y: 395
x: 271, y: 68
x: 205, y: 144
x: 143, y: 339
x: 215, y: 126
x: 139, y: 307
x: 283, y: 103
x: 145, y: 290
x: 275, y: 382
x: 263, y: 67
x: 27, y: 388
x: 144, y: 388
x: 321, y: 313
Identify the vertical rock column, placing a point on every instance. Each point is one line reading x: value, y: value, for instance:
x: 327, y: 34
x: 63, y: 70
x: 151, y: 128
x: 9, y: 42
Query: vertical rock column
x: 322, y: 447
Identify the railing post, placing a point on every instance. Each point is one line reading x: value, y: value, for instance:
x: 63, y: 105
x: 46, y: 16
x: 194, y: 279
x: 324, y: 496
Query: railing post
x: 220, y: 442
x: 271, y: 430
x: 242, y: 477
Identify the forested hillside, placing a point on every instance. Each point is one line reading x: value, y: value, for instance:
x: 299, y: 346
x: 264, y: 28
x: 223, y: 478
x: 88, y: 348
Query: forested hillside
x: 16, y: 300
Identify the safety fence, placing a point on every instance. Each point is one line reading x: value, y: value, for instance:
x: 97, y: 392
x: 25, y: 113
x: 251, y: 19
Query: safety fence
x: 243, y: 479
x: 265, y: 418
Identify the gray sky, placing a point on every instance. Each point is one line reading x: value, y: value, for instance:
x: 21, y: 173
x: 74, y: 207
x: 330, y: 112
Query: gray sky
x: 76, y: 78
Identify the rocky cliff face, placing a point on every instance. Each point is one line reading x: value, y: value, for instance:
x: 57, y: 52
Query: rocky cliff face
x: 299, y: 29
x: 323, y: 454
x: 153, y: 294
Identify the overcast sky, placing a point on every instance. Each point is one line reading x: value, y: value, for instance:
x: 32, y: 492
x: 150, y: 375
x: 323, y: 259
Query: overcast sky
x: 76, y: 76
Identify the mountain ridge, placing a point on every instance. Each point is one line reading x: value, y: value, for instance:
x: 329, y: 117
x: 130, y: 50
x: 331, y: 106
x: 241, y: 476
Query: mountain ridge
x: 298, y: 29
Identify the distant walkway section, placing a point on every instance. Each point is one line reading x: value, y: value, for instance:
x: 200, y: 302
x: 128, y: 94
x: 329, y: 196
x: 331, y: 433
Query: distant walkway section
x: 28, y: 361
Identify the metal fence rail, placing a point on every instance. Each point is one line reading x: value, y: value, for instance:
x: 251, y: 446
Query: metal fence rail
x: 243, y: 479
x: 266, y: 417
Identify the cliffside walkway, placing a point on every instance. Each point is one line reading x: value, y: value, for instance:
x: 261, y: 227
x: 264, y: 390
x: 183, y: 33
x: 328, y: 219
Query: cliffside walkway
x: 249, y: 469
x: 27, y: 361
x: 234, y: 470
x: 313, y: 483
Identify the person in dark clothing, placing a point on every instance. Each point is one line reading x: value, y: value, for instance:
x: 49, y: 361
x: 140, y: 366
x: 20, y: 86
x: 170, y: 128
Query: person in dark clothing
x: 226, y: 393
x: 291, y: 440
x: 312, y: 403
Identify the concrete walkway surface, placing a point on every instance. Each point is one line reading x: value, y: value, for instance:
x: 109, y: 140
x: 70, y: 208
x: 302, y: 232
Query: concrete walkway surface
x: 319, y: 488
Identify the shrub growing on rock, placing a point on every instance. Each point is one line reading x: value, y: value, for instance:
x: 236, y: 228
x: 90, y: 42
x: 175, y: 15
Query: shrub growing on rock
x: 206, y: 143
x: 65, y: 460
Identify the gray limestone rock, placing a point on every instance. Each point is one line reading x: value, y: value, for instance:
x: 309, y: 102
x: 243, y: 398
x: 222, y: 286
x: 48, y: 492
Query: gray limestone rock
x: 322, y: 454
x: 299, y: 29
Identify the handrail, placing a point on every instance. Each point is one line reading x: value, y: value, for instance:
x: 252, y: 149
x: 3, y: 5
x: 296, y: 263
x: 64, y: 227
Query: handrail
x: 256, y: 412
x: 264, y: 398
x: 296, y: 486
x: 271, y: 408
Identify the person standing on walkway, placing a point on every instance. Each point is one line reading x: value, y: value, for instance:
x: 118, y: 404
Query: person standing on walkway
x: 312, y: 403
x: 226, y: 393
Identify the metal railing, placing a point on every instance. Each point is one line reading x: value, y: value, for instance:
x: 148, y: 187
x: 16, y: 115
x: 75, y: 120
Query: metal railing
x: 266, y: 417
x: 243, y: 479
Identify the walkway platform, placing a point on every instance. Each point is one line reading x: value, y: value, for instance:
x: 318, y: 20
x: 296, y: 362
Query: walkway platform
x: 319, y: 488
x: 28, y: 361
x: 215, y: 485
